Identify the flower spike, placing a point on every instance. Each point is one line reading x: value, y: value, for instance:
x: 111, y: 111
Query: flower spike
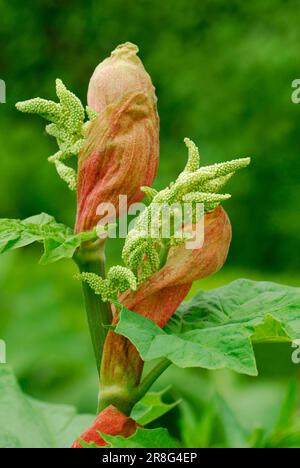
x: 118, y: 280
x: 67, y: 126
x: 146, y: 254
x: 194, y: 158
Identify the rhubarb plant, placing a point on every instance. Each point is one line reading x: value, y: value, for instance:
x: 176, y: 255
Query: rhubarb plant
x: 136, y: 310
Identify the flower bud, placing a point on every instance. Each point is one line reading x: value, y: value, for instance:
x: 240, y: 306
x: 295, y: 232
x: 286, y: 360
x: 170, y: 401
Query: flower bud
x: 121, y: 150
x: 110, y: 421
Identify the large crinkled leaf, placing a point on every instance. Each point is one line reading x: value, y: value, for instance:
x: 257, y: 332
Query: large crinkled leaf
x: 223, y: 347
x: 27, y: 423
x: 272, y: 309
x: 151, y: 407
x: 59, y: 241
x: 215, y: 329
x: 143, y: 438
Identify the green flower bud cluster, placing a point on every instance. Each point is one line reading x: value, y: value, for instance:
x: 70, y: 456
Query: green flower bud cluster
x: 118, y: 280
x: 67, y: 125
x: 144, y: 254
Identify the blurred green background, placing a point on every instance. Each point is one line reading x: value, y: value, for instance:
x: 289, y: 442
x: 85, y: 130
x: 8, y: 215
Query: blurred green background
x: 223, y: 73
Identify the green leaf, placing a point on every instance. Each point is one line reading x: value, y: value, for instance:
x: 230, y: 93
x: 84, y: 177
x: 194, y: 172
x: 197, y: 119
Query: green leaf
x: 41, y: 219
x: 28, y: 423
x: 270, y: 331
x: 151, y: 407
x: 236, y: 435
x: 197, y: 427
x: 288, y: 408
x: 15, y: 233
x: 8, y: 240
x: 272, y: 309
x: 226, y: 346
x: 55, y: 250
x: 286, y: 430
x: 214, y: 330
x: 58, y: 240
x: 143, y: 438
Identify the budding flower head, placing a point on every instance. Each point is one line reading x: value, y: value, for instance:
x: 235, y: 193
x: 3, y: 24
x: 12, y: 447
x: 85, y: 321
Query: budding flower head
x: 195, y: 185
x: 158, y: 297
x: 121, y: 150
x: 118, y: 280
x: 163, y: 267
x: 67, y: 126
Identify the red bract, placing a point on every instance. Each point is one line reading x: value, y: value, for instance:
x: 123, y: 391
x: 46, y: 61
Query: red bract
x: 110, y: 421
x: 122, y: 146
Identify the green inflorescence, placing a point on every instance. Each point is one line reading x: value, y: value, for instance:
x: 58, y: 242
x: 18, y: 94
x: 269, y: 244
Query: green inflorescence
x: 118, y: 280
x: 67, y: 126
x: 145, y: 254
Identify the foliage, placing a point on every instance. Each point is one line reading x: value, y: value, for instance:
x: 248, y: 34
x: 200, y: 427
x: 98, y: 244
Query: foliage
x: 151, y: 407
x: 58, y: 240
x: 143, y: 438
x: 29, y: 423
x: 214, y: 329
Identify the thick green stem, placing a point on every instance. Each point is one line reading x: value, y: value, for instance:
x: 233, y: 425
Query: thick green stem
x: 91, y: 259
